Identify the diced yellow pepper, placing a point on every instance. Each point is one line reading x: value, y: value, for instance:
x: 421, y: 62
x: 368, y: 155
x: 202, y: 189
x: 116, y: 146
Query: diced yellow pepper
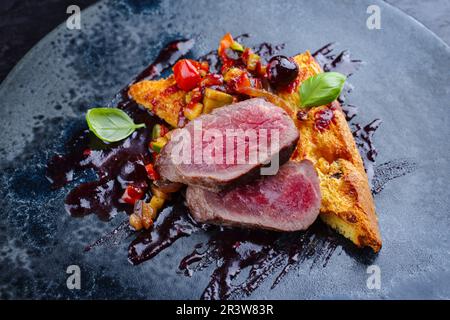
x: 232, y: 73
x: 252, y: 60
x: 156, y: 203
x: 136, y: 222
x: 236, y: 46
x: 215, y: 99
x: 158, y: 193
x: 168, y: 135
x: 193, y: 111
x: 148, y: 215
x: 156, y: 131
x: 158, y: 144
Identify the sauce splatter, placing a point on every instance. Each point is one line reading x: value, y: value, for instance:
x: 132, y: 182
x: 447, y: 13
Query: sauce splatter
x: 113, y: 165
x: 173, y: 223
x: 390, y: 170
x: 364, y: 141
x: 260, y: 254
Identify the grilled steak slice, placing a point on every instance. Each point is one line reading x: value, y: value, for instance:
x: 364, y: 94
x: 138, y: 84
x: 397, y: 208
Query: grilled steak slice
x: 288, y: 201
x: 229, y: 145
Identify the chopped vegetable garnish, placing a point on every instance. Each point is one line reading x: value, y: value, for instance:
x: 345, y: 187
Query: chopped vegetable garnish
x: 151, y: 172
x: 135, y: 222
x: 193, y: 111
x: 156, y: 203
x: 236, y: 46
x: 225, y: 43
x: 132, y: 194
x: 158, y: 144
x: 159, y: 130
x: 194, y: 96
x: 232, y: 73
x: 215, y: 99
x: 159, y: 193
x: 186, y: 74
x: 250, y: 59
x: 243, y: 81
x: 212, y: 80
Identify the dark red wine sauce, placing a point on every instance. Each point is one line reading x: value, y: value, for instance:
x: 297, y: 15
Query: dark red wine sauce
x: 115, y: 165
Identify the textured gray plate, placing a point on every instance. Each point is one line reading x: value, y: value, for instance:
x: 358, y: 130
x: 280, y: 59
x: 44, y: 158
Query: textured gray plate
x: 405, y: 82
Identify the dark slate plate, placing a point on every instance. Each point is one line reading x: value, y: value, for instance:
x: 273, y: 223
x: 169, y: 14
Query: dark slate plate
x: 405, y: 82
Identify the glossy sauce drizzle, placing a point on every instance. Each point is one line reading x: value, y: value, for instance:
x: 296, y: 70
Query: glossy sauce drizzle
x: 113, y: 165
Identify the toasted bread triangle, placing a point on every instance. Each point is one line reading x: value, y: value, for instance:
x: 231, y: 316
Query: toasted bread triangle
x: 347, y: 203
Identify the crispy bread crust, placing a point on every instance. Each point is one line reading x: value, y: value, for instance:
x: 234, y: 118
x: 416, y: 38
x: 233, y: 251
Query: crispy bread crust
x: 162, y: 97
x: 347, y: 202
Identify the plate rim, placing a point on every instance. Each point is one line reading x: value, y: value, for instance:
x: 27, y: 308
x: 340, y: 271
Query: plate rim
x: 43, y: 41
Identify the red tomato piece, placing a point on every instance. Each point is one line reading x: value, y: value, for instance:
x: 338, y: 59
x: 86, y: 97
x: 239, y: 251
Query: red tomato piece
x: 212, y: 80
x: 186, y: 74
x: 132, y: 194
x: 225, y: 43
x: 152, y: 173
x: 243, y: 81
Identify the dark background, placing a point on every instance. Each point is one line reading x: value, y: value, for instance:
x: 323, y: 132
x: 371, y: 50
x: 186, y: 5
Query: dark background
x: 24, y: 22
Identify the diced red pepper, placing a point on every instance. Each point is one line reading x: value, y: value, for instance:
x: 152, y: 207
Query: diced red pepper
x: 226, y: 64
x: 157, y: 144
x: 200, y: 65
x: 186, y: 74
x: 238, y: 81
x: 164, y: 130
x: 159, y: 130
x: 132, y: 194
x: 194, y: 96
x: 246, y: 54
x: 257, y: 83
x: 243, y: 81
x: 225, y: 43
x: 212, y: 79
x: 151, y: 172
x: 204, y: 65
x: 261, y: 70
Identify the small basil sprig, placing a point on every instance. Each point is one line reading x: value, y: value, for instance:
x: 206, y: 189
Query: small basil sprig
x: 110, y: 124
x: 321, y: 89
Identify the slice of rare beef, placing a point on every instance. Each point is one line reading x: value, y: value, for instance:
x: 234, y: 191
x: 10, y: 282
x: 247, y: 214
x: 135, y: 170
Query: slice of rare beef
x: 288, y: 201
x: 229, y: 145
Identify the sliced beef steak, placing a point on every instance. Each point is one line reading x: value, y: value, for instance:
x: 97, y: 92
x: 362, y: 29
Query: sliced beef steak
x: 288, y: 201
x: 229, y: 145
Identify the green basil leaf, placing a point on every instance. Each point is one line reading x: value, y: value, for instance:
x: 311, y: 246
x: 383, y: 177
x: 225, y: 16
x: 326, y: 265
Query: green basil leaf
x: 321, y: 89
x: 111, y: 124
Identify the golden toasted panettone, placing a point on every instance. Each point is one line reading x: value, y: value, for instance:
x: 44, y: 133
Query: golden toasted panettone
x: 325, y: 139
x: 162, y: 97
